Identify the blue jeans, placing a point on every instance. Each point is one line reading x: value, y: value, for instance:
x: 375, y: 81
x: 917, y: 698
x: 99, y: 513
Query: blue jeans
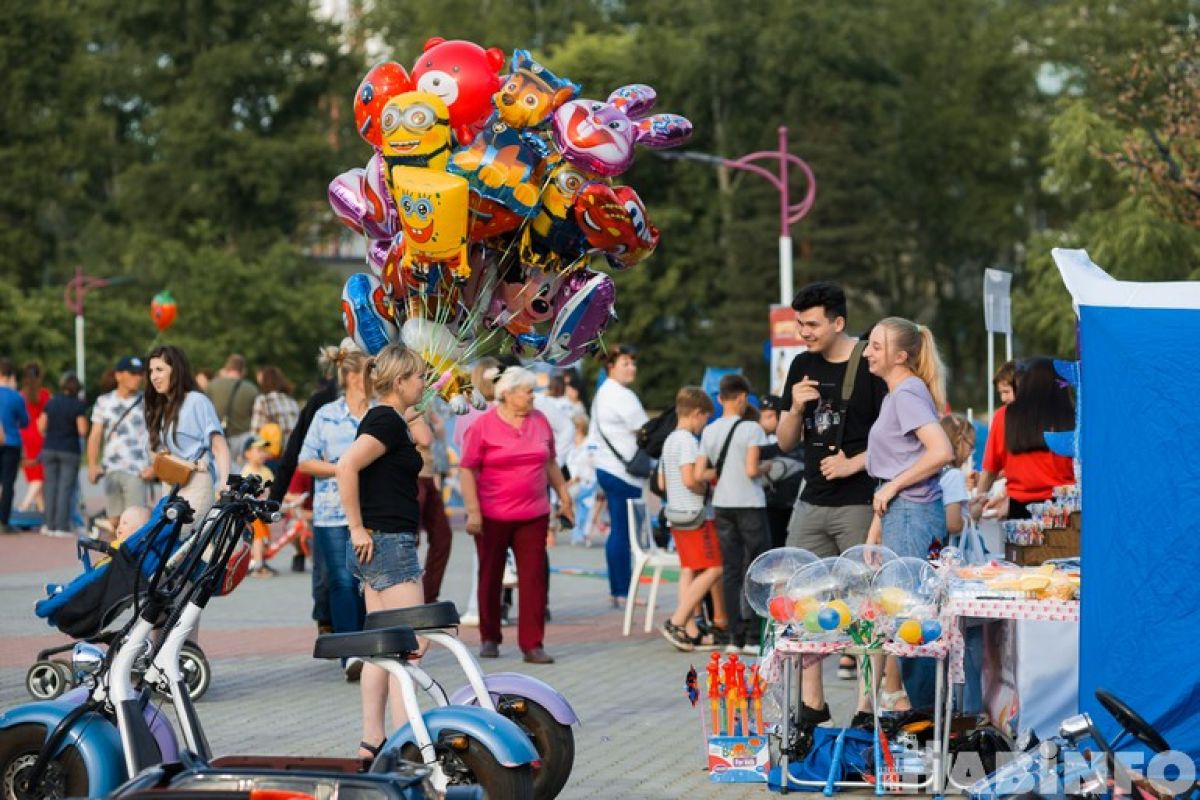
x: 616, y: 549
x: 584, y: 498
x: 62, y: 478
x: 345, y: 601
x: 908, y: 529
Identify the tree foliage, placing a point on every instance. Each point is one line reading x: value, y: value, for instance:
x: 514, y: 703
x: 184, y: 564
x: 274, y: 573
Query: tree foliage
x: 188, y: 146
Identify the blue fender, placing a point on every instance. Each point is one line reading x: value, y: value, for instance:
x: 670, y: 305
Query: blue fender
x: 95, y: 738
x: 523, y: 686
x: 500, y: 735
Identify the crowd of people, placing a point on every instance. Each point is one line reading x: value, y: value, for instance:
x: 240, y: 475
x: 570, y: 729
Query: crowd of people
x: 859, y: 447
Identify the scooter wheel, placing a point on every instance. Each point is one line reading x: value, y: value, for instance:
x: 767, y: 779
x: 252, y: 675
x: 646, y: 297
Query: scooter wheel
x: 197, y: 673
x: 476, y: 765
x: 65, y: 776
x: 554, y: 742
x: 47, y: 680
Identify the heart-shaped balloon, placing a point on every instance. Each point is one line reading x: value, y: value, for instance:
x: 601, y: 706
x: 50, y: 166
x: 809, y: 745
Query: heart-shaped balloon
x: 614, y: 220
x: 346, y: 199
x: 368, y: 313
x: 585, y: 304
x: 380, y: 219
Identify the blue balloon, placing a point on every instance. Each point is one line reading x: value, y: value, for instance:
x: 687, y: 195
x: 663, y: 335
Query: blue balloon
x: 931, y: 629
x: 829, y: 619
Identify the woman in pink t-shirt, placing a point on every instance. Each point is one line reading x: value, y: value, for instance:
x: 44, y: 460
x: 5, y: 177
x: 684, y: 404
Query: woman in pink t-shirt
x: 508, y: 462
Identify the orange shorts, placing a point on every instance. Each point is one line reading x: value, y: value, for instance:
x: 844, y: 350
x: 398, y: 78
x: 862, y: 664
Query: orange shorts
x: 261, y: 531
x: 698, y: 549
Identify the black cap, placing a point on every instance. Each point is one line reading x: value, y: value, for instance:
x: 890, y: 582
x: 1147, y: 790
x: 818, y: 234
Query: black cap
x: 130, y: 364
x: 770, y: 402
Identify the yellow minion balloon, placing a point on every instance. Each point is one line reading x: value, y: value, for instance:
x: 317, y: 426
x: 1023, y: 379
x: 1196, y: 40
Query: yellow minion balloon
x: 416, y: 132
x: 433, y: 211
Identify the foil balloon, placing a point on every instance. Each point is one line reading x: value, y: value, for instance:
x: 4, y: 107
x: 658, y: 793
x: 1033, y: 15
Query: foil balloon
x: 504, y: 166
x: 518, y: 306
x: 163, y: 310
x: 368, y: 313
x: 490, y: 219
x: 584, y: 309
x: 599, y: 136
x: 382, y: 83
x: 346, y: 199
x: 614, y: 221
x: 553, y: 237
x: 378, y: 251
x: 433, y: 212
x: 464, y: 76
x: 531, y: 93
x: 416, y: 133
x: 442, y: 350
x: 380, y: 220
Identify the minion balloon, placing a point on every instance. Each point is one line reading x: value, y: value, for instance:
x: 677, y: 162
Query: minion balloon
x: 416, y: 132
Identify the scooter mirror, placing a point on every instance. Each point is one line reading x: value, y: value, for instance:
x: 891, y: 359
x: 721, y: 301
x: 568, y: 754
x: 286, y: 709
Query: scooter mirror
x: 86, y: 659
x: 1075, y: 728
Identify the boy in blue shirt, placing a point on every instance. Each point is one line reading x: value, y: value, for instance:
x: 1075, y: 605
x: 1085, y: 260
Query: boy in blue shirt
x: 12, y: 418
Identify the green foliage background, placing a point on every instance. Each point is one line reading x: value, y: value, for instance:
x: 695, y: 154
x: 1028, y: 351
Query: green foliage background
x: 188, y: 147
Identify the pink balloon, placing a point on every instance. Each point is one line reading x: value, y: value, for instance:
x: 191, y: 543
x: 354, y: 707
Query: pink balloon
x: 346, y: 199
x: 380, y: 220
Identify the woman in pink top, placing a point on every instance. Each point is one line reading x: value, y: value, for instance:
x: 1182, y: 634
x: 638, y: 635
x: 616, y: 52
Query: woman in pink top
x: 507, y: 465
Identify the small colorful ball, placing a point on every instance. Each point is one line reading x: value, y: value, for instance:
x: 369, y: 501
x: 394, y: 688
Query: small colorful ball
x: 909, y: 632
x: 829, y: 619
x: 931, y: 629
x: 846, y: 617
x: 811, y: 622
x: 780, y: 608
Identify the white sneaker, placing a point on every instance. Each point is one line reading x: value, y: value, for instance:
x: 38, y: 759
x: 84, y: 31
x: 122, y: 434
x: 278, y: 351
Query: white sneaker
x: 469, y: 620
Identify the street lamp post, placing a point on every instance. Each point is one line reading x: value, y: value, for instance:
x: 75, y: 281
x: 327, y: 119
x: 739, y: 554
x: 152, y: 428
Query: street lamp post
x: 73, y: 297
x: 789, y: 213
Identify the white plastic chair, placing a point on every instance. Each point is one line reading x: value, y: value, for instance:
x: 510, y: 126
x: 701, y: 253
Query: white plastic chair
x: 646, y: 554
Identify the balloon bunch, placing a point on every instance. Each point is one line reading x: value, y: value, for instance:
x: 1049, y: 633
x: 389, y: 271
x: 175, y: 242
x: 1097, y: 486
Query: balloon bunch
x: 483, y: 202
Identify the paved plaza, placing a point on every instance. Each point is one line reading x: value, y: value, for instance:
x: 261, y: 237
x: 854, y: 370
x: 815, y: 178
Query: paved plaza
x: 639, y: 737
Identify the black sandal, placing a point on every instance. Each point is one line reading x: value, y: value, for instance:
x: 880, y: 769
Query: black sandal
x: 372, y: 749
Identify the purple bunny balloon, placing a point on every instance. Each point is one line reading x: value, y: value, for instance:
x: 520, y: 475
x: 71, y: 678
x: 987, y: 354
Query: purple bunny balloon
x: 599, y: 137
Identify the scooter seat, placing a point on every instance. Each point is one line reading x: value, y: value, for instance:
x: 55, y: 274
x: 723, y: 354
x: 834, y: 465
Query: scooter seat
x: 394, y: 641
x: 419, y: 618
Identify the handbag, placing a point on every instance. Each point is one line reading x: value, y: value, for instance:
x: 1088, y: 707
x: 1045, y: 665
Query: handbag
x: 171, y: 469
x: 640, y: 466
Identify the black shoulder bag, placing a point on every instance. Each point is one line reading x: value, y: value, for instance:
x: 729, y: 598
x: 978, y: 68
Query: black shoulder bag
x: 640, y: 466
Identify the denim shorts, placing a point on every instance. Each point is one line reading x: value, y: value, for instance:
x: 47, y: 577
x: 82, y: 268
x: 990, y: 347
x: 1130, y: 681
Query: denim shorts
x: 393, y: 561
x: 910, y: 527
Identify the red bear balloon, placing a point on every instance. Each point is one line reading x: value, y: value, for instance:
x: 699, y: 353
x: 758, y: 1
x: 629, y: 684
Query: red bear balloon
x: 381, y: 84
x: 464, y: 76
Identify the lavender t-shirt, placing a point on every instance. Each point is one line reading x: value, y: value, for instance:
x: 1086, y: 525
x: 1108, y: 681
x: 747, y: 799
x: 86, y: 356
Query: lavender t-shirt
x: 893, y: 446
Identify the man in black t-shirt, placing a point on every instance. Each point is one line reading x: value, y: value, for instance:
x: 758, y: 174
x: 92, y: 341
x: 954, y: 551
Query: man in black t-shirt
x: 833, y: 512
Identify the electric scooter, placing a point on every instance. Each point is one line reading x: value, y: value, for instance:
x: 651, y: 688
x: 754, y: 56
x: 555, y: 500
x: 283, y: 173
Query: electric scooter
x: 539, y: 709
x: 1063, y: 766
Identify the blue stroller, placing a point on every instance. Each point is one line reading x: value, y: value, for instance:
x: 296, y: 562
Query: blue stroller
x: 86, y: 608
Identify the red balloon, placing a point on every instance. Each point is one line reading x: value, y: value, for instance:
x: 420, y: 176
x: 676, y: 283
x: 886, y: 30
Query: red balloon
x: 464, y: 76
x: 382, y: 83
x: 780, y: 608
x: 162, y: 310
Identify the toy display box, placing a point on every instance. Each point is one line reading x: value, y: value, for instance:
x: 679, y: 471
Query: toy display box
x: 738, y: 759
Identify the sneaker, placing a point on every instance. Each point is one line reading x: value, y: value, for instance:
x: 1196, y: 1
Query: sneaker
x: 750, y: 649
x: 847, y: 671
x: 813, y: 717
x: 469, y: 620
x: 353, y: 669
x: 733, y: 648
x: 677, y: 637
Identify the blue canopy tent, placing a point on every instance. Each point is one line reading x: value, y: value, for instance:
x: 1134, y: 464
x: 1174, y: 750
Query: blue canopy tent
x: 1137, y: 439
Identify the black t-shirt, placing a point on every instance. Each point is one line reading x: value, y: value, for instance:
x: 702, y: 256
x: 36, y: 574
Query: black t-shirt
x: 387, y: 487
x: 62, y: 426
x: 821, y: 423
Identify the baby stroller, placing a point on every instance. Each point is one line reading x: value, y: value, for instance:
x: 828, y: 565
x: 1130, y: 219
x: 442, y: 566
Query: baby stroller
x: 87, y: 607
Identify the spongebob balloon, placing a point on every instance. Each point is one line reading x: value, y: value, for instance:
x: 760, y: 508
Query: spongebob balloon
x: 416, y: 132
x: 433, y: 211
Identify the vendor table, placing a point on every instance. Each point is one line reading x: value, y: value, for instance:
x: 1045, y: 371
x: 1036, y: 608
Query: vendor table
x: 782, y: 661
x: 1035, y: 655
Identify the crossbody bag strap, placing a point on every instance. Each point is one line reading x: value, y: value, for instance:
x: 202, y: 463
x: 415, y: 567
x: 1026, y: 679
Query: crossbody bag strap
x: 720, y: 465
x: 600, y: 431
x: 848, y: 386
x: 229, y: 402
x: 121, y: 418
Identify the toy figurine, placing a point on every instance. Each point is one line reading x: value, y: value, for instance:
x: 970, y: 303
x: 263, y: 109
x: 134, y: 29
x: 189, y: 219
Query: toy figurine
x: 714, y: 692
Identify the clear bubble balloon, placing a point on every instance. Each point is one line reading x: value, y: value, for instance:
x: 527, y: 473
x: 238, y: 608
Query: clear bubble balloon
x: 855, y: 568
x: 905, y: 589
x: 809, y: 590
x: 768, y: 577
x: 951, y: 557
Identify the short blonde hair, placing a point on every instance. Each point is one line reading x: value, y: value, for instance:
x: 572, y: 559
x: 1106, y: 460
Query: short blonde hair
x: 395, y: 362
x: 692, y: 398
x: 514, y: 378
x: 343, y: 359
